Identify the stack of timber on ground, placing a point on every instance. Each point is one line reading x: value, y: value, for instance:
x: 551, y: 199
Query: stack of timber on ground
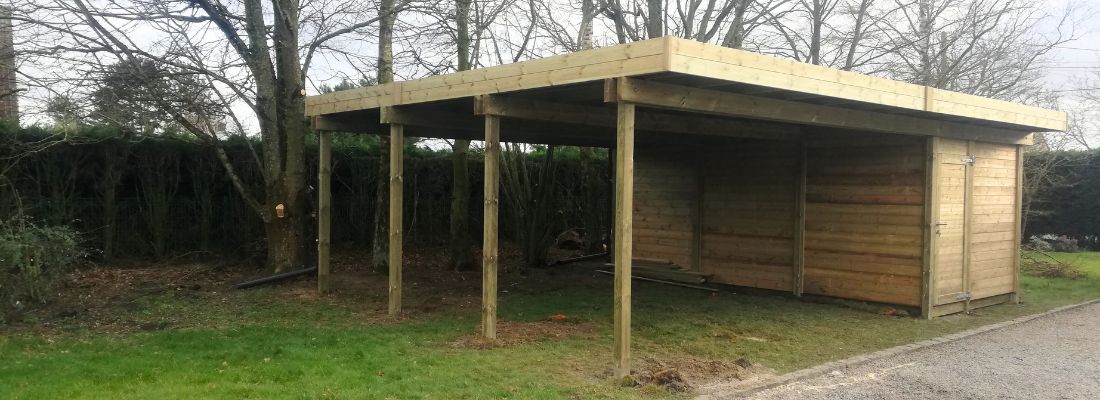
x: 749, y: 169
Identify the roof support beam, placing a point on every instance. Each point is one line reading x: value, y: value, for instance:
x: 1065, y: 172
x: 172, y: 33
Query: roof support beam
x: 522, y: 108
x: 683, y: 98
x: 430, y: 119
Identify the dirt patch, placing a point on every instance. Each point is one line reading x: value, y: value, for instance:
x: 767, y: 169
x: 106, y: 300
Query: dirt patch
x: 684, y: 374
x: 518, y: 333
x: 109, y: 299
x: 128, y: 297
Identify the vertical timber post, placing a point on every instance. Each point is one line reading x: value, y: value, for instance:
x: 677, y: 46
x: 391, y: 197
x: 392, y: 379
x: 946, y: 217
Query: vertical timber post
x: 930, y: 222
x: 799, y: 258
x: 324, y: 209
x: 397, y: 144
x: 1018, y: 229
x: 489, y: 243
x: 697, y: 212
x: 624, y: 212
x: 968, y: 225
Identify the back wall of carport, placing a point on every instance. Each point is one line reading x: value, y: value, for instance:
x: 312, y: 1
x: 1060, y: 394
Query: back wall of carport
x: 841, y: 214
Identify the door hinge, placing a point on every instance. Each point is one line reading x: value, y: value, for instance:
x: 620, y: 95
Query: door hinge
x: 968, y: 160
x: 964, y: 296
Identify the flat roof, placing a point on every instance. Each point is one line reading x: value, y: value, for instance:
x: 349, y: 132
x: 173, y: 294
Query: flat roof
x: 690, y: 63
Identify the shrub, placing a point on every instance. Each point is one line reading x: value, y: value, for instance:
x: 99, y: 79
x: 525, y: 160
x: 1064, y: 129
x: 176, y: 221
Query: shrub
x: 1065, y: 244
x: 1038, y: 244
x: 33, y: 260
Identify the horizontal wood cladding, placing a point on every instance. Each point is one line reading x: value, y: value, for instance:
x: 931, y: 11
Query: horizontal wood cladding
x: 864, y: 208
x: 665, y: 185
x: 748, y: 212
x: 864, y: 215
x: 993, y: 225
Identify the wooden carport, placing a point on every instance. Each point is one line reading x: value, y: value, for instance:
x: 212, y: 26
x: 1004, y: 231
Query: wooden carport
x: 678, y: 94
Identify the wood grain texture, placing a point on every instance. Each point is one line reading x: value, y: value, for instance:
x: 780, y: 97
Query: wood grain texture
x: 748, y: 235
x: 490, y: 232
x: 623, y: 249
x: 397, y: 167
x: 689, y: 59
x: 324, y: 210
x: 864, y: 221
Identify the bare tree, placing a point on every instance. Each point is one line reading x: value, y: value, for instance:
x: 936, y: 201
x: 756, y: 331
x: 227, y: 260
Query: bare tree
x: 248, y: 53
x: 991, y: 48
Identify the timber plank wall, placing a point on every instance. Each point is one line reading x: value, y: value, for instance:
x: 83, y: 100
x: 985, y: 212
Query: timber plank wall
x: 864, y: 207
x: 993, y: 239
x: 748, y: 212
x: 665, y: 185
x: 727, y: 207
x: 863, y: 214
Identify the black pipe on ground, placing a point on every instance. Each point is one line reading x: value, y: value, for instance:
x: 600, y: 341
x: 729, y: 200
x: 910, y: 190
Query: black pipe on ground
x: 274, y: 278
x: 579, y: 258
x: 662, y: 281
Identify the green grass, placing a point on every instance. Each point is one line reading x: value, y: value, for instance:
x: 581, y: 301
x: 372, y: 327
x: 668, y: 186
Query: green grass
x: 251, y: 345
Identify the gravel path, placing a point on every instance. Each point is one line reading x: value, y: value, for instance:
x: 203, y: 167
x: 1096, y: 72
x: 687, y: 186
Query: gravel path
x: 1051, y: 357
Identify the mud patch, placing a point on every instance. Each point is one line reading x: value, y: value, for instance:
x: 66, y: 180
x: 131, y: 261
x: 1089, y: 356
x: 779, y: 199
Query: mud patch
x: 684, y: 374
x: 518, y: 333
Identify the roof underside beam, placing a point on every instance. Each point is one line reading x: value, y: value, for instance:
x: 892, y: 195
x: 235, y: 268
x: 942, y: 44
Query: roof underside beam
x: 691, y: 99
x: 451, y: 125
x: 537, y: 110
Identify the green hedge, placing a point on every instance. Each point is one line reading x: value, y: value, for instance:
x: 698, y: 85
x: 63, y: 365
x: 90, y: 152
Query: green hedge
x: 170, y: 196
x: 1066, y: 200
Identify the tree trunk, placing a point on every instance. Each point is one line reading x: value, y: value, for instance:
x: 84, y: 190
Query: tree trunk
x: 655, y: 25
x: 114, y: 164
x: 380, y: 239
x: 593, y: 211
x: 461, y: 254
x: 284, y: 146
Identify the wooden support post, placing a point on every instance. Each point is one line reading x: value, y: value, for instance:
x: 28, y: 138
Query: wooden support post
x: 697, y: 216
x: 324, y: 209
x: 611, y: 160
x: 930, y: 226
x: 489, y: 244
x: 1018, y: 230
x: 397, y: 155
x: 624, y: 212
x: 799, y: 222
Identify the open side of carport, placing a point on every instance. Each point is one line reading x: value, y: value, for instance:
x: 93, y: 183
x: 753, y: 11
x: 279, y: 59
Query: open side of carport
x: 754, y: 170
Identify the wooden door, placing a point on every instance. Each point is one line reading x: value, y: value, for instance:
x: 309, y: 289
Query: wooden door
x: 951, y: 222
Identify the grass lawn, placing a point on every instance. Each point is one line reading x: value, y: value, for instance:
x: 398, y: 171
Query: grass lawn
x: 280, y: 343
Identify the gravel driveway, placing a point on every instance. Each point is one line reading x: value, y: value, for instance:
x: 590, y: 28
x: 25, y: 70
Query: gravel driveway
x: 1052, y: 357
